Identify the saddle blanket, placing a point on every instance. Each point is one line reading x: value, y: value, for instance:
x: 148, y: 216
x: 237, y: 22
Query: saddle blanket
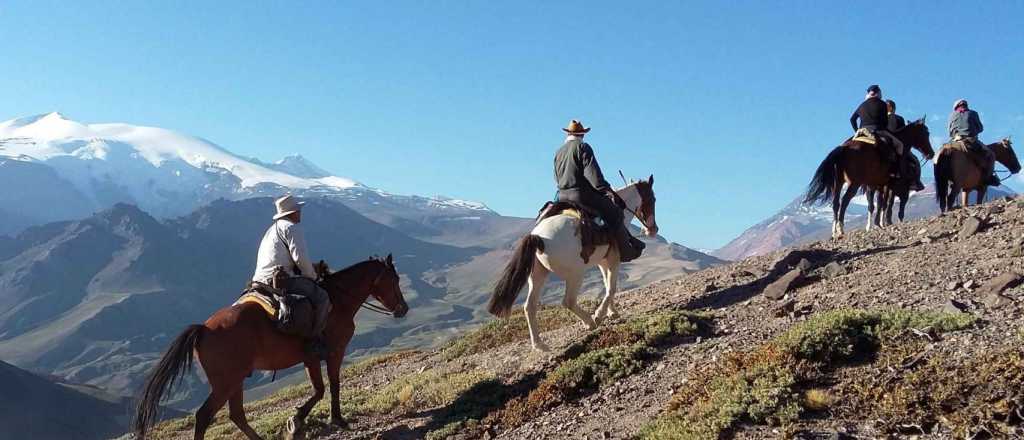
x: 265, y: 302
x: 292, y: 314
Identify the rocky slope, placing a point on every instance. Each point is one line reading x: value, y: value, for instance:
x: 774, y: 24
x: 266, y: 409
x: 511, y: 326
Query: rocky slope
x: 96, y: 301
x: 912, y: 331
x: 798, y: 223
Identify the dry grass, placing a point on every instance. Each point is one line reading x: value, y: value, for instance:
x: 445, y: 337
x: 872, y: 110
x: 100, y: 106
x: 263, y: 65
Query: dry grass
x: 503, y: 331
x: 760, y: 386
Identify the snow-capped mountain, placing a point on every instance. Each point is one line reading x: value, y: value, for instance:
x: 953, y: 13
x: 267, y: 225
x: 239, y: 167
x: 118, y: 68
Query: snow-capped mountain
x: 66, y: 169
x: 797, y: 223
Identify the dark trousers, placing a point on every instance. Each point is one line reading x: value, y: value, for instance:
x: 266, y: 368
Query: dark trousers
x: 317, y: 295
x: 606, y: 209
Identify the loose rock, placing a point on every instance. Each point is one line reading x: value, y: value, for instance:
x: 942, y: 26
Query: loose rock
x: 970, y: 227
x: 778, y: 289
x: 833, y: 270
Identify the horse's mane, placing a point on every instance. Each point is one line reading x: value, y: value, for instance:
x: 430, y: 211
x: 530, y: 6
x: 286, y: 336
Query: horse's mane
x: 327, y: 275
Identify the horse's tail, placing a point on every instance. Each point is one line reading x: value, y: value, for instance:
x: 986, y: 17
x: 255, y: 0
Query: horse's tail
x: 172, y: 367
x: 515, y: 275
x: 822, y: 186
x: 943, y: 171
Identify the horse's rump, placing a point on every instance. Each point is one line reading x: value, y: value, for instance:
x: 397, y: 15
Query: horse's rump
x: 591, y: 233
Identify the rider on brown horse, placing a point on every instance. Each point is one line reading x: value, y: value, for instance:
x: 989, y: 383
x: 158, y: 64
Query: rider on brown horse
x: 284, y: 248
x: 873, y: 115
x: 910, y: 170
x: 965, y: 126
x: 580, y: 181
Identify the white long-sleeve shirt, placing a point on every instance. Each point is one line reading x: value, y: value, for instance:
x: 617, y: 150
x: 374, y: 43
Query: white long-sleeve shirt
x: 283, y: 245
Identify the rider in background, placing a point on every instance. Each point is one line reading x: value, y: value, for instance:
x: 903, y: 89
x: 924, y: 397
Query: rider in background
x: 965, y: 126
x: 580, y: 181
x: 895, y: 121
x: 873, y: 115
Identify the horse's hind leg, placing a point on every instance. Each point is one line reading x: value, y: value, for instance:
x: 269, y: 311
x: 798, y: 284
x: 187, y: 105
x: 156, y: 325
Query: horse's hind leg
x: 981, y: 196
x: 297, y: 421
x: 573, y: 283
x: 889, y: 197
x: 872, y: 210
x: 609, y: 271
x: 237, y: 415
x: 851, y: 192
x: 535, y: 286
x: 204, y: 415
x: 836, y: 203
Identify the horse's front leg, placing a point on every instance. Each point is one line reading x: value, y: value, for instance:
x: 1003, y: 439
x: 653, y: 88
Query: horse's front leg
x: 298, y: 421
x: 573, y: 283
x: 890, y: 196
x: 609, y: 272
x: 334, y: 377
x: 535, y: 286
x: 981, y: 195
x: 965, y: 197
x: 903, y: 205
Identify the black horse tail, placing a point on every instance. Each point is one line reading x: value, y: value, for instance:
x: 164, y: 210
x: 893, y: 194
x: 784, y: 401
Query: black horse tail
x: 172, y: 367
x: 822, y: 186
x: 515, y: 275
x: 943, y: 171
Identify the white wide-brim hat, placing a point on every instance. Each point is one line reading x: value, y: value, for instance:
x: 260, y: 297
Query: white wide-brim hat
x: 286, y: 206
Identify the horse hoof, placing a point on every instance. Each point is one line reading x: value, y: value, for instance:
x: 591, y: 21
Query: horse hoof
x: 339, y: 422
x: 541, y: 347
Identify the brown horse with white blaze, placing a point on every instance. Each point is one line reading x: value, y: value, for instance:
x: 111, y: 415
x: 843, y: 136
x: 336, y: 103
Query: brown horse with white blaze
x: 236, y: 340
x: 956, y: 172
x: 856, y: 165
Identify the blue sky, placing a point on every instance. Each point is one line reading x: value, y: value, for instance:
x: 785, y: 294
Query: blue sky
x: 730, y: 106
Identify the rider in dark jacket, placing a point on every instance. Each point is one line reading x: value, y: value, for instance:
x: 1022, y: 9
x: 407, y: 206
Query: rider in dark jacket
x: 874, y: 118
x: 581, y: 181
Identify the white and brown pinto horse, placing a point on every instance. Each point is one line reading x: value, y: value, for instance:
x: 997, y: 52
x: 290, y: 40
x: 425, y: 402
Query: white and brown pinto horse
x: 554, y: 246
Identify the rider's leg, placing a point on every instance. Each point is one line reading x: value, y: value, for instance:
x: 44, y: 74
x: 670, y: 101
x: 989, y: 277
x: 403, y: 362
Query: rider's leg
x: 629, y: 247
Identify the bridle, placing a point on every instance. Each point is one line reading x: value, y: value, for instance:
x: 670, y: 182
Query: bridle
x: 373, y: 286
x: 642, y: 220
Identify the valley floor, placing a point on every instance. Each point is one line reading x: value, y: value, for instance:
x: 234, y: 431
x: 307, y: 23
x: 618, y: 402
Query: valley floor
x: 912, y: 330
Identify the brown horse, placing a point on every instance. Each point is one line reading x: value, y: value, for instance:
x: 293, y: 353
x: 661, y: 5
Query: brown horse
x: 956, y: 172
x: 858, y: 164
x: 239, y: 339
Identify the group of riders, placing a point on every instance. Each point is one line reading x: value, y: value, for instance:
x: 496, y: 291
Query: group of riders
x: 581, y: 182
x: 878, y: 119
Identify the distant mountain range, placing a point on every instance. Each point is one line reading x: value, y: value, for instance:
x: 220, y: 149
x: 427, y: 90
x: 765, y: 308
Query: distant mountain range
x: 67, y: 170
x: 799, y: 223
x: 120, y: 236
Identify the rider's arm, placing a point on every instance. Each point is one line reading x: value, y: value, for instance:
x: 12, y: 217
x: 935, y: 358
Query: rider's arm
x: 297, y: 247
x: 853, y: 119
x: 591, y: 170
x: 974, y: 121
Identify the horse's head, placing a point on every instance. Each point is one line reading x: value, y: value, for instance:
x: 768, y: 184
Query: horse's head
x: 385, y: 287
x: 645, y: 206
x: 916, y: 135
x: 1004, y: 153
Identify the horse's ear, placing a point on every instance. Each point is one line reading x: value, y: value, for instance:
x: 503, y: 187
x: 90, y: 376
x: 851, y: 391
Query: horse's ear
x: 650, y: 180
x: 390, y: 261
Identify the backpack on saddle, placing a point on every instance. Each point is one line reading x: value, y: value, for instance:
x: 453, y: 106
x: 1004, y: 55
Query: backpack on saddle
x: 591, y: 230
x: 293, y: 313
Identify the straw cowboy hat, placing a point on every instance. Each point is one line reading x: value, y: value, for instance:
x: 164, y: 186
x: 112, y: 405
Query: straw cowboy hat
x: 286, y: 206
x: 576, y: 127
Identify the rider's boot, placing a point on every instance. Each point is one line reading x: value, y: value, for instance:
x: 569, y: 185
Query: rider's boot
x: 630, y: 247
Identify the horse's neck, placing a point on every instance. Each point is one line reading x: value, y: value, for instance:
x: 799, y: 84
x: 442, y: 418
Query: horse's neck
x: 632, y: 198
x: 350, y: 288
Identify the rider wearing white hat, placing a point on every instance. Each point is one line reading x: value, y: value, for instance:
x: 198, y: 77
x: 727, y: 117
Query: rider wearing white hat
x: 284, y: 246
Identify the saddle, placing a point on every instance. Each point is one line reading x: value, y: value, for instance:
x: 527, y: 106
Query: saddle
x: 292, y: 314
x: 864, y: 135
x: 974, y: 150
x: 591, y: 233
